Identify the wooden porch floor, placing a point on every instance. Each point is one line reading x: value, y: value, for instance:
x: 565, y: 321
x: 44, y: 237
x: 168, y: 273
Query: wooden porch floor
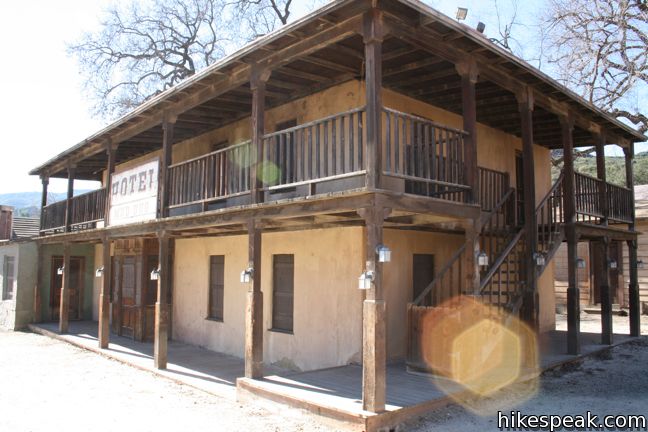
x: 334, y: 393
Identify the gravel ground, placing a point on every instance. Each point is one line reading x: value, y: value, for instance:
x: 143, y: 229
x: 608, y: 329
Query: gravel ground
x: 48, y: 385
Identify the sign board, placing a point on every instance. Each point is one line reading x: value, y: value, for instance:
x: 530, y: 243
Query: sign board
x: 134, y: 194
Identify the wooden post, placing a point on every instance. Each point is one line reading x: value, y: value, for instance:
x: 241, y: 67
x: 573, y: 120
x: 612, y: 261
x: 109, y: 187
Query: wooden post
x: 373, y: 37
x: 167, y: 153
x: 633, y: 288
x: 529, y: 310
x: 258, y: 80
x: 374, y: 350
x: 469, y: 75
x: 65, y: 291
x: 254, y: 309
x: 110, y: 169
x: 45, y: 182
x: 573, y: 291
x: 601, y: 174
x: 104, y: 297
x: 472, y: 273
x: 602, y: 269
x: 161, y: 308
x: 68, y: 202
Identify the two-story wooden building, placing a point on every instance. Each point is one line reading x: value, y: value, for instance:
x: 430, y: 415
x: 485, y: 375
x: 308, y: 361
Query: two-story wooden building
x: 242, y: 209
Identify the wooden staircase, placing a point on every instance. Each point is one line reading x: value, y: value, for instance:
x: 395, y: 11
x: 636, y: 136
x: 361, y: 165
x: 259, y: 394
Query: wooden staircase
x: 502, y: 282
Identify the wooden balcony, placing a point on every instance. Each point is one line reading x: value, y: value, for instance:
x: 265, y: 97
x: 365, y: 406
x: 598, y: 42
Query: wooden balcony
x: 419, y: 157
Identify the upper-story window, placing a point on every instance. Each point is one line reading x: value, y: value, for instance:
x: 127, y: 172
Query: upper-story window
x: 8, y: 277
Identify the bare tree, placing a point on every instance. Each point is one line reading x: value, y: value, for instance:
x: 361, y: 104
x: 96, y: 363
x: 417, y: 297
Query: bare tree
x: 145, y: 47
x: 600, y: 48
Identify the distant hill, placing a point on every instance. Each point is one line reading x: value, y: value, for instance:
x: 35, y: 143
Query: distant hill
x: 27, y: 204
x: 615, y: 168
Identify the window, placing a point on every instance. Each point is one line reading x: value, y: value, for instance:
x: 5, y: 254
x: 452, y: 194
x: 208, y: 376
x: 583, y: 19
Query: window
x: 216, y: 286
x: 8, y: 278
x: 283, y: 284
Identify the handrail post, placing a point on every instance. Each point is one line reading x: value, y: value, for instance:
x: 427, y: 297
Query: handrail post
x: 373, y: 38
x: 68, y: 202
x: 469, y: 76
x: 601, y: 174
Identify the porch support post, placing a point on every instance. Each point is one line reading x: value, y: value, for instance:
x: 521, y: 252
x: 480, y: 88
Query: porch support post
x: 168, y: 126
x: 469, y: 76
x: 372, y: 28
x: 633, y: 301
x: 573, y: 291
x: 374, y: 351
x: 65, y: 291
x: 602, y: 269
x: 104, y: 296
x: 258, y: 80
x: 110, y: 169
x: 601, y: 174
x: 37, y: 287
x: 254, y: 309
x: 161, y: 308
x: 45, y: 182
x: 68, y: 202
x: 529, y: 312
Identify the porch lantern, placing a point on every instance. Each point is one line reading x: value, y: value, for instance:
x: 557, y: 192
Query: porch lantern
x: 482, y: 259
x: 384, y: 253
x: 462, y: 13
x: 365, y: 280
x: 155, y: 274
x: 59, y: 271
x: 580, y: 263
x: 539, y: 259
x: 613, y: 264
x: 640, y: 264
x: 99, y: 272
x: 247, y: 275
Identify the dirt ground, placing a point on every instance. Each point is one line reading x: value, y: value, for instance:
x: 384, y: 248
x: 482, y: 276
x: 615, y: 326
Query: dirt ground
x: 48, y: 385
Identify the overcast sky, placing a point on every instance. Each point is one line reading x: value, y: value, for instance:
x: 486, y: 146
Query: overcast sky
x: 43, y: 110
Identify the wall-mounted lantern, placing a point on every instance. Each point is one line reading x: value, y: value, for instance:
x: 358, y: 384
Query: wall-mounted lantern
x: 155, y: 274
x: 59, y: 271
x: 365, y: 280
x: 613, y: 264
x: 540, y: 259
x: 580, y: 263
x: 384, y: 253
x: 640, y: 264
x: 99, y: 272
x: 482, y: 259
x: 247, y: 275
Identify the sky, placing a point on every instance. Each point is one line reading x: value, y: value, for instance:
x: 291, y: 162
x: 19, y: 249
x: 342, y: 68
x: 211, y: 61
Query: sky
x: 44, y: 110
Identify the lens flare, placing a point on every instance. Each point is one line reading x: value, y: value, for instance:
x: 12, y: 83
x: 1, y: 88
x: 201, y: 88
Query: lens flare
x: 475, y: 350
x: 269, y: 173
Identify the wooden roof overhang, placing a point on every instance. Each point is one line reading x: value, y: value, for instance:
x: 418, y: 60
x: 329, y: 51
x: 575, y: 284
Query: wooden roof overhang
x: 420, y: 49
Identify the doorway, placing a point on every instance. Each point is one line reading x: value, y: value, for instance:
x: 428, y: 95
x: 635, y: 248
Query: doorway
x: 616, y: 274
x: 77, y: 266
x: 422, y: 275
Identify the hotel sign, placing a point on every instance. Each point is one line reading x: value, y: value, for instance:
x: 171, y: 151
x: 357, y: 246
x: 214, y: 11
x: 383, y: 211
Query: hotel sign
x: 134, y: 194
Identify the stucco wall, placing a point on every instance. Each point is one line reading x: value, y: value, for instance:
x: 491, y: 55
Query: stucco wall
x: 18, y: 312
x: 327, y: 303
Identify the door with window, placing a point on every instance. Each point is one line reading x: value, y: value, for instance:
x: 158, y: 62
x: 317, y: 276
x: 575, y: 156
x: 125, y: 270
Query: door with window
x: 76, y: 288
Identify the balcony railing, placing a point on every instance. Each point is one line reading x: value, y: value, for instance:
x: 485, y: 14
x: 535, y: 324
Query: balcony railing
x: 589, y: 204
x: 323, y: 150
x: 86, y: 210
x: 428, y: 155
x: 218, y: 175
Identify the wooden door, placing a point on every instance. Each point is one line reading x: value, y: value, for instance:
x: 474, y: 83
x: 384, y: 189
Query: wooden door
x: 422, y: 274
x: 128, y: 296
x: 616, y: 275
x: 76, y: 287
